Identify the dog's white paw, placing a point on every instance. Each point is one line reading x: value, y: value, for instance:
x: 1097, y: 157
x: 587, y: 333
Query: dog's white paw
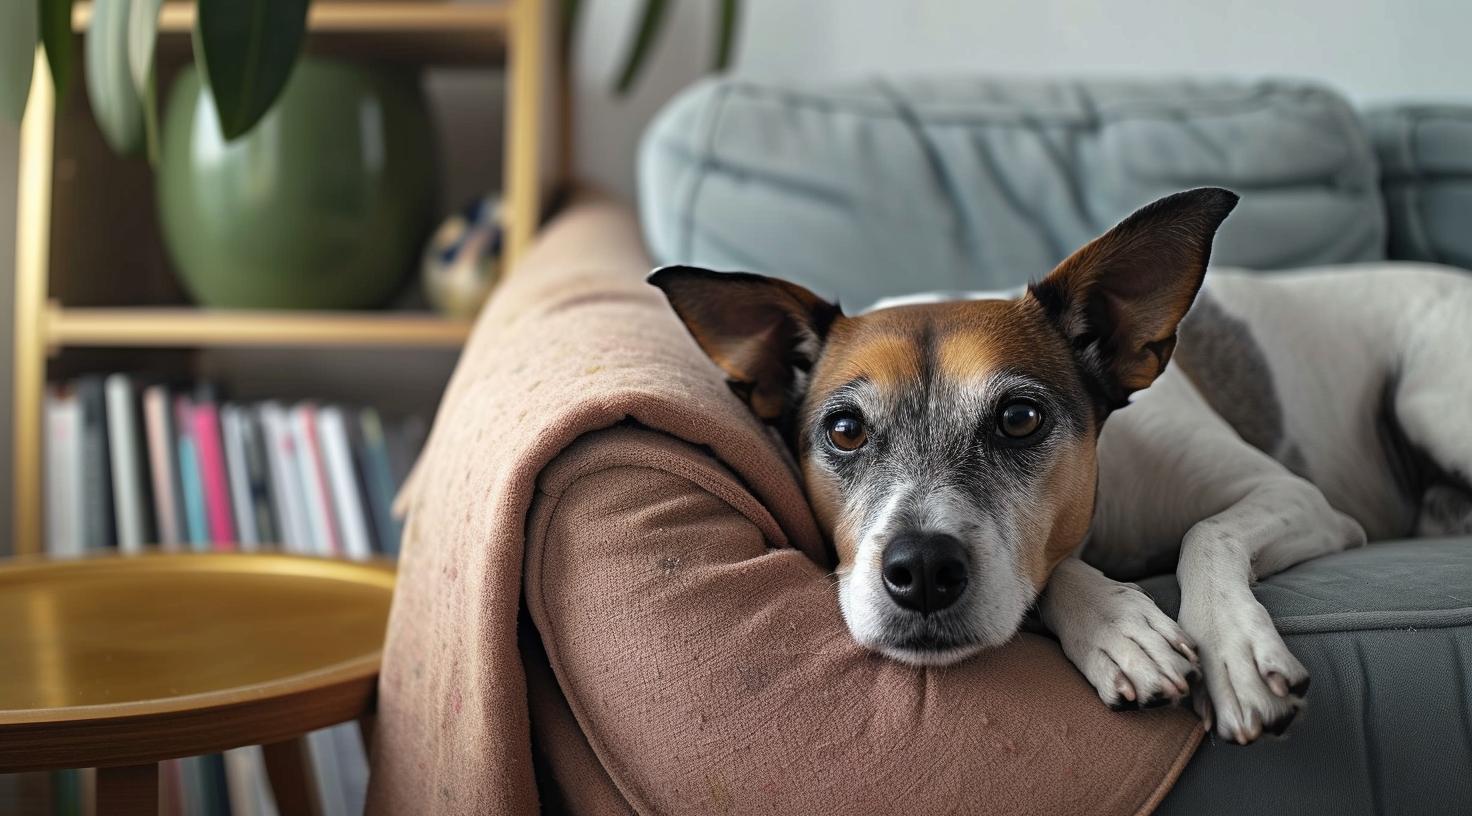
x: 1254, y: 685
x: 1133, y: 654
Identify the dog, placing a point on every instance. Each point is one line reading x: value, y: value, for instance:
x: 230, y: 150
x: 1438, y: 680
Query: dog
x: 971, y: 459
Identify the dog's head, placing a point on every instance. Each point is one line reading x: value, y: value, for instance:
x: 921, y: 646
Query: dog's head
x: 949, y: 448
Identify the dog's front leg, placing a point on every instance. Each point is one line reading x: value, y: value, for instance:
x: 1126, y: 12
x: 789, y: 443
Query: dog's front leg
x: 1255, y: 683
x: 1134, y: 654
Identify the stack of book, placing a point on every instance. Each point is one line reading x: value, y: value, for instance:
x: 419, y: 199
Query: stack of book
x: 128, y: 466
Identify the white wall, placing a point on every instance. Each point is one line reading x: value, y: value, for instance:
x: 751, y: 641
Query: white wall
x: 1372, y: 50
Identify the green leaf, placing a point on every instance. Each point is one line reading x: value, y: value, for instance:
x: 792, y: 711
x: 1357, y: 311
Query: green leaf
x: 115, y: 102
x: 727, y: 21
x: 142, y: 40
x: 655, y: 12
x: 18, y: 33
x: 247, y: 49
x: 56, y: 34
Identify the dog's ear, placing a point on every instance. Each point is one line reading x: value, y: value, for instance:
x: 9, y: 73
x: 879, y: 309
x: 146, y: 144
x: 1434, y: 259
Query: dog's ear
x: 1119, y: 299
x: 764, y: 333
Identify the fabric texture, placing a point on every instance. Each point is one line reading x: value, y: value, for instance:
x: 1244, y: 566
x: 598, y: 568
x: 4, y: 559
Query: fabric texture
x: 677, y: 582
x: 881, y: 188
x: 1425, y: 154
x: 1386, y: 634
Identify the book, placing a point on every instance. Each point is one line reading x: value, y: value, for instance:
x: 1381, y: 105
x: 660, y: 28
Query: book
x: 378, y: 479
x: 282, y: 460
x: 245, y: 773
x: 192, y: 488
x: 63, y: 474
x: 313, y: 472
x: 213, y: 479
x: 163, y: 467
x: 129, y: 487
x: 258, y: 478
x: 233, y: 434
x: 347, y: 501
x: 405, y: 440
x: 96, y: 492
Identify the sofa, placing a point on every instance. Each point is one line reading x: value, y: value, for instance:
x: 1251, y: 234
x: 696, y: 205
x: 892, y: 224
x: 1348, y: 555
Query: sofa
x: 614, y: 599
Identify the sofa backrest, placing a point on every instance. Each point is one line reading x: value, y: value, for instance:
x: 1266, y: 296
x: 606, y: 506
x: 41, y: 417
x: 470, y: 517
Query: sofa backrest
x: 881, y: 188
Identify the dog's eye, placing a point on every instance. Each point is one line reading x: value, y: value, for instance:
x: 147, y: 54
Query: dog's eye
x: 1019, y: 420
x: 847, y: 432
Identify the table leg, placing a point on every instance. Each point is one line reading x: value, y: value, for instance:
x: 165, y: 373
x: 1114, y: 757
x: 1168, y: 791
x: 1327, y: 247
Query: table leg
x: 128, y: 790
x: 289, y: 765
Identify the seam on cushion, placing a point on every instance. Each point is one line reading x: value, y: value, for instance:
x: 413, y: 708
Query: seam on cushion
x: 615, y: 773
x: 915, y: 125
x: 709, y: 147
x: 1415, y: 201
x: 808, y: 190
x: 1331, y: 622
x: 1125, y: 111
x: 1372, y: 754
x: 1459, y: 660
x: 1173, y: 774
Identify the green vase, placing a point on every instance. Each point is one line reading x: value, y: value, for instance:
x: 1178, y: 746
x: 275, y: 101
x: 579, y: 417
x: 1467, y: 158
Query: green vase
x: 324, y: 205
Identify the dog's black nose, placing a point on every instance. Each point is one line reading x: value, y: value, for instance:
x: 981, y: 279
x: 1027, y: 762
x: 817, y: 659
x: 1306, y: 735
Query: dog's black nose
x: 926, y: 573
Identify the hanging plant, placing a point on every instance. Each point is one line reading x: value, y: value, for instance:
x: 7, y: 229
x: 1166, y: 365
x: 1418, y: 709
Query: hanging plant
x: 245, y: 50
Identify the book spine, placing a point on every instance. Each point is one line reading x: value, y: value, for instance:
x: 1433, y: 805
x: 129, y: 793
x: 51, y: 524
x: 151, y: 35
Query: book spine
x: 257, y: 471
x: 189, y: 476
x: 286, y: 478
x: 240, y: 500
x: 163, y: 467
x: 130, y: 508
x: 378, y: 476
x: 332, y: 435
x: 314, y: 480
x: 97, y: 466
x: 212, y: 473
x: 63, y: 475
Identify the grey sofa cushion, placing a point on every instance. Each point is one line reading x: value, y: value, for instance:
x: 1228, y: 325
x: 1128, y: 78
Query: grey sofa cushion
x: 1386, y: 632
x: 881, y: 188
x: 1425, y: 155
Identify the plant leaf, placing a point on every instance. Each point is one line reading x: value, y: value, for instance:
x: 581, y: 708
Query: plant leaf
x: 728, y: 19
x: 655, y: 12
x: 18, y: 33
x: 142, y: 40
x: 56, y: 34
x: 110, y: 88
x: 246, y: 49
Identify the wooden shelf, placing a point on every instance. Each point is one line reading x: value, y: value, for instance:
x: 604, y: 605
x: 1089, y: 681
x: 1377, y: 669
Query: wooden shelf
x: 430, y: 31
x: 185, y: 327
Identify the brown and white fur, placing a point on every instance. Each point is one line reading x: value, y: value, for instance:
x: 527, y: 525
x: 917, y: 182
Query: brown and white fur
x: 1304, y: 412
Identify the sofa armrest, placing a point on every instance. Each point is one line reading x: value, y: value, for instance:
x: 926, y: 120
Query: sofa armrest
x: 709, y: 668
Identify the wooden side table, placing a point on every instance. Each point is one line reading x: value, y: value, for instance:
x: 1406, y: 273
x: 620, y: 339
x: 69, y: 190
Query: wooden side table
x: 116, y: 663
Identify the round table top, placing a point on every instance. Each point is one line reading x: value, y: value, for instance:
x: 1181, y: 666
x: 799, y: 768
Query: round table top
x: 239, y: 648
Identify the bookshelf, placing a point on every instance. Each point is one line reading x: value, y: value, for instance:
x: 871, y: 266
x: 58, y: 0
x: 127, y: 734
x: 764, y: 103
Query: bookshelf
x: 515, y: 35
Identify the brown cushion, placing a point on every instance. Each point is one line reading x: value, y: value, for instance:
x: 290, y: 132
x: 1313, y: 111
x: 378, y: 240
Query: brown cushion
x: 710, y: 670
x: 694, y: 638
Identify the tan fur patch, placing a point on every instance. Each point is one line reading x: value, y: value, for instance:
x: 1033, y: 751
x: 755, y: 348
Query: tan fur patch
x: 887, y: 360
x: 1068, y: 501
x: 967, y: 355
x: 827, y: 507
